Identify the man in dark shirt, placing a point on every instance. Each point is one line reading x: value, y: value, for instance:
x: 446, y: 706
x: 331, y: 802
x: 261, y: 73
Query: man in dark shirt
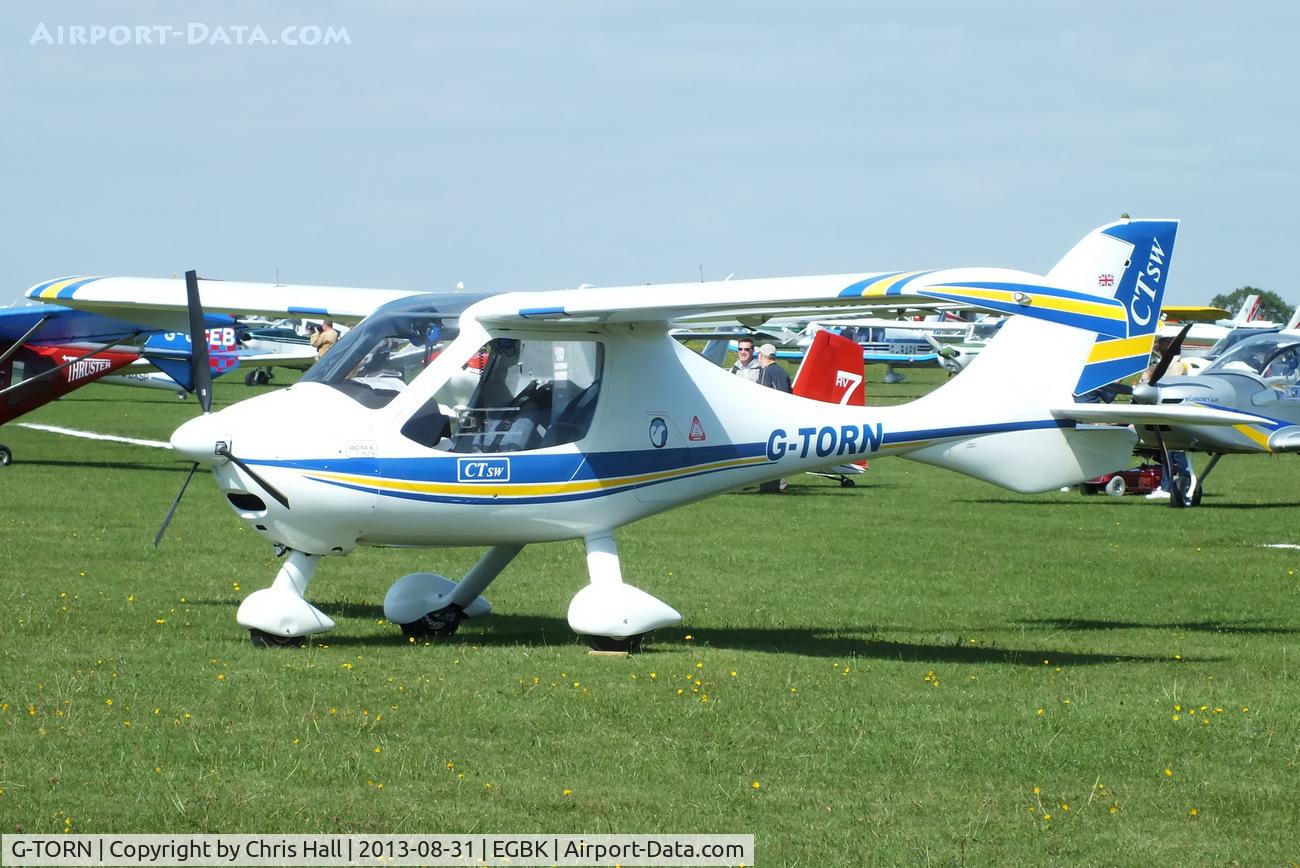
x: 773, y: 376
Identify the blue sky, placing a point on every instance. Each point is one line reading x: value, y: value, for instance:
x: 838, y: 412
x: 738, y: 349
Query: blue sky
x: 516, y: 145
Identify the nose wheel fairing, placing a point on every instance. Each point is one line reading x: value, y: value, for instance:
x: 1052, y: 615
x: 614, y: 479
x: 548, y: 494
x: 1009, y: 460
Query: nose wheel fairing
x: 282, y: 610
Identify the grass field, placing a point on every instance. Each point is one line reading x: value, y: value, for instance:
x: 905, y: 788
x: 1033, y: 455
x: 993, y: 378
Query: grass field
x: 925, y: 669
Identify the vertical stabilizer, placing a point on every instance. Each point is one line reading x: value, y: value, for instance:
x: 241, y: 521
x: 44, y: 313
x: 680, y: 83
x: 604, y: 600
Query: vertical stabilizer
x: 1133, y: 257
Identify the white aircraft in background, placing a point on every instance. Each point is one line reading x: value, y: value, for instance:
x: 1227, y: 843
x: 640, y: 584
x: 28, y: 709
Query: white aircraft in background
x: 1203, y: 335
x: 523, y: 418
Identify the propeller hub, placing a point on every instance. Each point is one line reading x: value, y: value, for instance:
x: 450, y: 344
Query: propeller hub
x: 197, y: 440
x: 1145, y: 393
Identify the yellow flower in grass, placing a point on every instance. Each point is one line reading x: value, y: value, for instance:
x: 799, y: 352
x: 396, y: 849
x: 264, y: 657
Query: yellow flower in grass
x: 566, y: 792
x: 758, y: 785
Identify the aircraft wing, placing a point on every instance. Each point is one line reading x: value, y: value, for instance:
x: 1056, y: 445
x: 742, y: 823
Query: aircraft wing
x: 63, y: 326
x: 1192, y: 313
x: 1156, y: 414
x: 993, y: 289
x: 160, y: 302
x: 300, y: 359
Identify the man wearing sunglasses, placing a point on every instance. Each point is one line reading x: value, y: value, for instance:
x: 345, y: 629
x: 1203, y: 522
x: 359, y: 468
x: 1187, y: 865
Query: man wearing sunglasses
x: 746, y: 365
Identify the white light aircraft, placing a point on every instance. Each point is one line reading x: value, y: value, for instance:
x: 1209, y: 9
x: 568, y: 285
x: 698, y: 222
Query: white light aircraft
x: 519, y: 418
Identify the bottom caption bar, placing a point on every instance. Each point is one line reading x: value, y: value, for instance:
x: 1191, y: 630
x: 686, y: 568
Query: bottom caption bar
x: 322, y: 850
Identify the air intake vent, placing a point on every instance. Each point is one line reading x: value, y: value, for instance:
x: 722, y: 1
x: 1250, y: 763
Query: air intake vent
x: 246, y: 502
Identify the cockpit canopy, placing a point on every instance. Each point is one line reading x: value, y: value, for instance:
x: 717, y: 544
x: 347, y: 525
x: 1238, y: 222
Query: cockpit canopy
x: 375, y: 361
x: 1274, y: 357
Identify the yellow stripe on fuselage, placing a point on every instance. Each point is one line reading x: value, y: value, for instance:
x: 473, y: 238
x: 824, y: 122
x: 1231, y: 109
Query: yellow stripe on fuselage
x: 531, y: 489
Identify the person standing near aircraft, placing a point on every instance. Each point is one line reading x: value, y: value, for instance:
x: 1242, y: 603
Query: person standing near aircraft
x: 324, y: 338
x: 746, y: 365
x: 772, y: 375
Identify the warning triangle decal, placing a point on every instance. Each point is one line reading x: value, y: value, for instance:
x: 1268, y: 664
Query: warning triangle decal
x: 697, y: 430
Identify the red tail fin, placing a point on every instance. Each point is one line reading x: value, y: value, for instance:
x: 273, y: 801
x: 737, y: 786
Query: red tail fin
x: 832, y: 371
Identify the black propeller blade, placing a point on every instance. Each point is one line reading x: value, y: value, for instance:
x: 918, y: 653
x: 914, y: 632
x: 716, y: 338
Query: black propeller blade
x: 200, y: 367
x: 200, y: 374
x: 1167, y: 357
x: 175, y: 503
x: 224, y: 451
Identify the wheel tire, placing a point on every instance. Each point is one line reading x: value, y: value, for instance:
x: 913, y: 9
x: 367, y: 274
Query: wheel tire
x: 263, y: 639
x: 610, y: 645
x: 1196, y: 497
x: 848, y: 483
x: 1116, y: 486
x: 261, y: 377
x: 435, y: 625
x: 250, y: 378
x: 6, y: 456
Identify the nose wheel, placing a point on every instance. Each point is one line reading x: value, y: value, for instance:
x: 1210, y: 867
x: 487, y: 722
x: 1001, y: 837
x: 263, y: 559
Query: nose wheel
x: 612, y: 646
x: 263, y: 639
x: 435, y: 625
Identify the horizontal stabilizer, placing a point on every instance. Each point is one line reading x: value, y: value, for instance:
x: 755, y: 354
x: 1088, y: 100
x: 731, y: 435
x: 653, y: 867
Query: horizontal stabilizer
x: 1165, y: 414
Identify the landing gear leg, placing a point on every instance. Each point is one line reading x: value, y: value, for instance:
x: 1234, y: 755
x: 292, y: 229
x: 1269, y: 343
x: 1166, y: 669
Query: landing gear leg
x: 426, y: 605
x: 280, y: 615
x: 613, y: 617
x: 1180, y: 482
x: 1199, y: 484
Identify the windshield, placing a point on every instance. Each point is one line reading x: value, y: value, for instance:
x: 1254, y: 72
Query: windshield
x: 1270, y: 356
x: 375, y: 361
x: 1234, y: 337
